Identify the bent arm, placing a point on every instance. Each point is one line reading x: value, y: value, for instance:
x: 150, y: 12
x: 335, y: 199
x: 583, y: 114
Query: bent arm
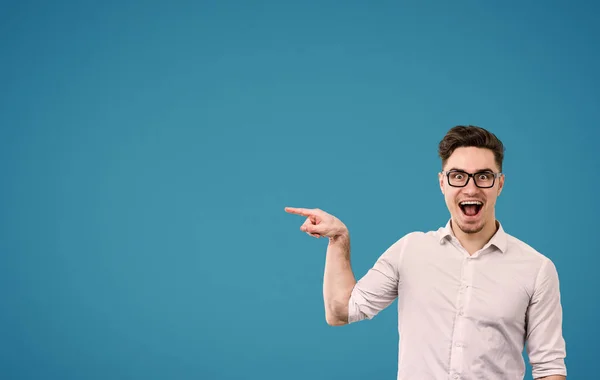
x: 553, y: 377
x: 377, y: 289
x: 348, y: 300
x: 338, y: 280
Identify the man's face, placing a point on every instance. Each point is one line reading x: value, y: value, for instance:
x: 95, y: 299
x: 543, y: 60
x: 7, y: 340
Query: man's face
x: 473, y: 217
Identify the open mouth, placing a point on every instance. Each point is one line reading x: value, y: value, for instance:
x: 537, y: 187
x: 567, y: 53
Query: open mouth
x: 471, y: 208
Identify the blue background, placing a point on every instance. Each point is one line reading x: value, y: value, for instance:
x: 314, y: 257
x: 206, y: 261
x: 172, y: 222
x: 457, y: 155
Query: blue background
x: 148, y: 150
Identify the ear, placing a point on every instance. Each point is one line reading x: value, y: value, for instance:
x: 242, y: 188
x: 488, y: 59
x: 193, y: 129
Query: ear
x: 441, y: 181
x: 500, y: 184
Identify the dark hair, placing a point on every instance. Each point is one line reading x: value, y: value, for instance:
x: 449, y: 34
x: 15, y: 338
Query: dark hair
x: 470, y: 136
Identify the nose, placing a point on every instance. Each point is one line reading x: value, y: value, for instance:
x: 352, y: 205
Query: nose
x: 471, y: 188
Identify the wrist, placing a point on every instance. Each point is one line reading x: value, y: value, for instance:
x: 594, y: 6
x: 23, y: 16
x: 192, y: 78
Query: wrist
x: 342, y: 238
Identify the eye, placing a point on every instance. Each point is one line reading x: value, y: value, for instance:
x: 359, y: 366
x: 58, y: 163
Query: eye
x: 485, y: 176
x: 457, y: 176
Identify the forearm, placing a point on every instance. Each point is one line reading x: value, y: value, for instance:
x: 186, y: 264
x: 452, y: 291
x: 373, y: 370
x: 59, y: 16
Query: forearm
x: 553, y: 377
x: 338, y: 280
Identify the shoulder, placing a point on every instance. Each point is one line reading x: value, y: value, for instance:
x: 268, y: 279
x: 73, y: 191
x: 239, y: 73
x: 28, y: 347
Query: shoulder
x: 429, y: 236
x: 541, y: 264
x: 523, y: 250
x: 418, y: 238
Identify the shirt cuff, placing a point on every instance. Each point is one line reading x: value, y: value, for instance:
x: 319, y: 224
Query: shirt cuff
x: 554, y: 367
x: 354, y: 313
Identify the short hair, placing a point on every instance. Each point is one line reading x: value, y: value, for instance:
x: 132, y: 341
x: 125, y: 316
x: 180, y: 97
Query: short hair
x: 470, y: 136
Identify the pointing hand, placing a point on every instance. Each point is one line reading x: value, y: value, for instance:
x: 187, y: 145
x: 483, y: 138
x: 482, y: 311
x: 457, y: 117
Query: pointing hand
x: 319, y: 223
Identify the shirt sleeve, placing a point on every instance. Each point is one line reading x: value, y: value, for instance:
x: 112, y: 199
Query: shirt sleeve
x: 378, y: 288
x: 545, y: 343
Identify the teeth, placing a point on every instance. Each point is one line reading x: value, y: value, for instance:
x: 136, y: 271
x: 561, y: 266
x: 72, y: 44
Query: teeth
x: 470, y: 203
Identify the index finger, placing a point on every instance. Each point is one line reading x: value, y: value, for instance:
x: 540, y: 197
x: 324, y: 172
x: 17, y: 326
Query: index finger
x: 300, y: 211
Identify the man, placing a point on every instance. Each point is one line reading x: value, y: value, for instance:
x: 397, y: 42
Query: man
x: 470, y: 296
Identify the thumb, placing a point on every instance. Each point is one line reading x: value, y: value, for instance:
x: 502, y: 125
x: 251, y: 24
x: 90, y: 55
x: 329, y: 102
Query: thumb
x: 313, y: 228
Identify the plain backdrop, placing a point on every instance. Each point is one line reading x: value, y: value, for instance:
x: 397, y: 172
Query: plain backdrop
x: 148, y: 149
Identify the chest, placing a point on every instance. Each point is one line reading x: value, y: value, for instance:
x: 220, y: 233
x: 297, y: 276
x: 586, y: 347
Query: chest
x: 489, y: 288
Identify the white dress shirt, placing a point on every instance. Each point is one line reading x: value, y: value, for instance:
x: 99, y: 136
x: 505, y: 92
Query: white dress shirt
x: 467, y: 317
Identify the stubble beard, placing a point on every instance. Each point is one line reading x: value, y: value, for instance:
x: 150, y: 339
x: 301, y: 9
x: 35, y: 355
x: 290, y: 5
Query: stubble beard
x: 471, y: 228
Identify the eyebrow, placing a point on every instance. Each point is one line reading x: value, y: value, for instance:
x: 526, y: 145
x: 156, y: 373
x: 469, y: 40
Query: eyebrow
x: 476, y: 171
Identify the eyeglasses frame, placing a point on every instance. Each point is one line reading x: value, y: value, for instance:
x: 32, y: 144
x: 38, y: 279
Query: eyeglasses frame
x: 472, y: 175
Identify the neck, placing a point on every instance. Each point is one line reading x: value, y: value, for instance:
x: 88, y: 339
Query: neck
x: 475, y: 241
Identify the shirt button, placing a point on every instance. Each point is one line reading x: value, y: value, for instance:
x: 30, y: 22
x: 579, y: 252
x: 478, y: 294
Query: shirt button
x: 455, y: 376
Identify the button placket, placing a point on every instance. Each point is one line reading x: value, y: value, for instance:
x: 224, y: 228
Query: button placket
x: 464, y: 284
x: 467, y: 280
x: 458, y: 336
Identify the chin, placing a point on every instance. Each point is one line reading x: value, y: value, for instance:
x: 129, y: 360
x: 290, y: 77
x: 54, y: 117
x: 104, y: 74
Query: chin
x: 471, y: 228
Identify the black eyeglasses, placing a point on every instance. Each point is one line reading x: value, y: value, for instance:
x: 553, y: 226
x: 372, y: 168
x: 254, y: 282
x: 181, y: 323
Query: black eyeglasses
x: 459, y: 178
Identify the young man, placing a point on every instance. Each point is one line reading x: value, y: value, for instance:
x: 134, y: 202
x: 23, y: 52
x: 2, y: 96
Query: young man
x: 470, y: 296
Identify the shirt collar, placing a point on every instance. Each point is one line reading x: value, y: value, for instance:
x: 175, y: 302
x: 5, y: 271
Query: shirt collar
x: 499, y: 240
